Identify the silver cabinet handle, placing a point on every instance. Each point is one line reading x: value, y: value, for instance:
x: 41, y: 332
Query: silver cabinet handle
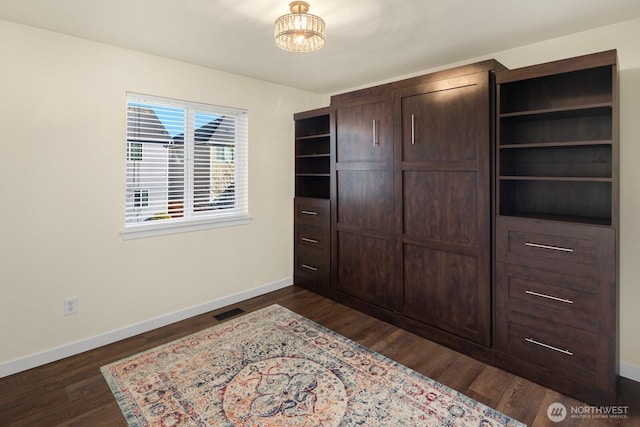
x: 308, y: 267
x: 375, y: 133
x: 550, y: 347
x: 413, y: 129
x: 554, y: 248
x: 568, y: 301
x: 309, y: 213
x: 308, y: 240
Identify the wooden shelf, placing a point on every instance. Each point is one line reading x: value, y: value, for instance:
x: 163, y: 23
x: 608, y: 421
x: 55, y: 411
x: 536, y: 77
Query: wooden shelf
x: 569, y: 110
x: 555, y: 178
x: 311, y: 137
x: 589, y: 220
x: 311, y: 156
x: 604, y: 142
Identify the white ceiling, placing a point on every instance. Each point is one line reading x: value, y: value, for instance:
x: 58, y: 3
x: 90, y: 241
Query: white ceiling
x: 367, y: 40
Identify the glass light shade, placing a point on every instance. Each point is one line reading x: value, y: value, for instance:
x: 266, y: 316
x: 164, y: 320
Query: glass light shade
x: 299, y: 32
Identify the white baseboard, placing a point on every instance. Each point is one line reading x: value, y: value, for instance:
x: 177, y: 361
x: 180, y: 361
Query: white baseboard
x: 630, y: 371
x: 77, y: 347
x: 627, y: 370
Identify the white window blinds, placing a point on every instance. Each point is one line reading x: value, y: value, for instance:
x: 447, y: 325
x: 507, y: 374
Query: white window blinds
x: 186, y: 163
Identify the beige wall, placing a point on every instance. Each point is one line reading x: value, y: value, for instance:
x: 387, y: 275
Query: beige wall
x: 62, y: 108
x: 62, y: 151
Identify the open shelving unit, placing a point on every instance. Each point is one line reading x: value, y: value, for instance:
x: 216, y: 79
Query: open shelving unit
x: 312, y: 154
x: 555, y: 145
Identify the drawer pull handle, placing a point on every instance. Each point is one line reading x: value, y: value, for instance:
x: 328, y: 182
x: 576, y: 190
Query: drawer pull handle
x: 550, y: 347
x: 554, y: 248
x: 309, y: 213
x: 536, y: 294
x: 308, y: 267
x: 308, y: 240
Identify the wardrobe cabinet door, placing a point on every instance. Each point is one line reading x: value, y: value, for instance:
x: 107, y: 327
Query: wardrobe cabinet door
x: 440, y: 125
x: 363, y: 132
x: 364, y: 270
x: 364, y: 214
x: 444, y: 146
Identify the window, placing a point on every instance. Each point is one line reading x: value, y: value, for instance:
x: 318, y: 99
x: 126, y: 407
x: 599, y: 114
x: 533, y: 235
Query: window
x: 186, y: 166
x: 140, y: 198
x: 134, y: 151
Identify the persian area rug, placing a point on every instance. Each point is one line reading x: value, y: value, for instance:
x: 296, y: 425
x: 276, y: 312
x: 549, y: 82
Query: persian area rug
x: 273, y: 367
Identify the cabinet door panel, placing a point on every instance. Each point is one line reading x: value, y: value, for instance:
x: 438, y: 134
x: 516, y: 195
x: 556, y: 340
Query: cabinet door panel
x: 364, y: 214
x: 444, y: 144
x: 437, y: 127
x: 364, y: 199
x: 362, y: 132
x: 441, y: 288
x: 364, y: 270
x: 441, y: 206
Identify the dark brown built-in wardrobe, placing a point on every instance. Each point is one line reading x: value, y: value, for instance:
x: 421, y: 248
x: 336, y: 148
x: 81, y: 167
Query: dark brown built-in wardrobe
x: 477, y: 207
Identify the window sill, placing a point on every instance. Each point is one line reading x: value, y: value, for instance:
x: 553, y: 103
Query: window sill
x: 161, y: 228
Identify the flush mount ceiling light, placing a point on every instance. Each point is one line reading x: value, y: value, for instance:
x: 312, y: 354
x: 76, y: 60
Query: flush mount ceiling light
x: 299, y: 31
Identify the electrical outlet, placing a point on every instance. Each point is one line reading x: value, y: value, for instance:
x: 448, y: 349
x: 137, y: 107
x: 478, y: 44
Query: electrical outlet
x: 70, y: 306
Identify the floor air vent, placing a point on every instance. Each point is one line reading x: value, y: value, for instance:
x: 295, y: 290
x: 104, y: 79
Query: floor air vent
x: 228, y: 314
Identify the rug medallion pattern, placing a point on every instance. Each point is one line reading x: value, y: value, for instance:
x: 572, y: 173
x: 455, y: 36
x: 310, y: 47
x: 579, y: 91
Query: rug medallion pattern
x: 273, y: 367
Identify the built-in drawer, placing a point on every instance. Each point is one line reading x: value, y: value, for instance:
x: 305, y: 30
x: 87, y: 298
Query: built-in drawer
x: 311, y: 263
x: 312, y: 282
x: 556, y: 246
x: 311, y: 211
x: 559, y: 298
x: 555, y: 347
x: 313, y: 237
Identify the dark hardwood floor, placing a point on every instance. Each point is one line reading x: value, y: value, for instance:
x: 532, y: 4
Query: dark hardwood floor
x: 72, y: 392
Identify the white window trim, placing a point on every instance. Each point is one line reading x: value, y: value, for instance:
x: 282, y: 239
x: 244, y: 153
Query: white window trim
x: 175, y: 226
x: 160, y: 228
